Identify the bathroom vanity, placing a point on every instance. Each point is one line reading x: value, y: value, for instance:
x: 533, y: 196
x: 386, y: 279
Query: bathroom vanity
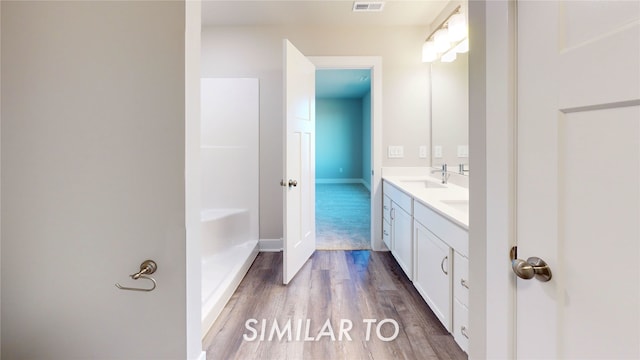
x: 425, y: 226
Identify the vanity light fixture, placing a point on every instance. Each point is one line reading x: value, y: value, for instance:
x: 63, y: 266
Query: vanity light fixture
x: 448, y: 39
x: 463, y: 46
x: 449, y: 56
x: 441, y: 40
x: 429, y: 53
x: 457, y: 25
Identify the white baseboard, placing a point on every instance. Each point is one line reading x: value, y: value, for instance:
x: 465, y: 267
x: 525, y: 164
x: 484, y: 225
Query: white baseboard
x: 339, y: 181
x: 270, y: 245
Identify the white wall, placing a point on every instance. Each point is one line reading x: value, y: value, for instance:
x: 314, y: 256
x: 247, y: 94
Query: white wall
x: 257, y: 52
x: 93, y: 180
x: 229, y: 149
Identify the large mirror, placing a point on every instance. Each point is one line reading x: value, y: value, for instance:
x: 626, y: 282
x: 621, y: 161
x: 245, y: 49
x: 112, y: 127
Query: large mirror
x: 450, y: 113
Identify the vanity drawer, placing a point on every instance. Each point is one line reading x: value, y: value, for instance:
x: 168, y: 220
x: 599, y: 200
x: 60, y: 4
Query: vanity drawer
x: 386, y: 233
x: 386, y: 208
x: 461, y: 325
x: 397, y: 196
x: 452, y: 234
x: 461, y: 278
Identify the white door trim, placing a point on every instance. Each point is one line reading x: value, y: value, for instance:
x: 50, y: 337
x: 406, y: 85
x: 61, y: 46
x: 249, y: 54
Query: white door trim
x: 492, y: 126
x: 375, y: 64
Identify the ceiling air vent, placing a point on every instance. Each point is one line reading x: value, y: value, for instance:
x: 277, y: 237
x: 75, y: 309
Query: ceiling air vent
x: 368, y: 6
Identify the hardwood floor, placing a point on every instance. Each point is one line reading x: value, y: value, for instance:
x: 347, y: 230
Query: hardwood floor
x: 339, y: 286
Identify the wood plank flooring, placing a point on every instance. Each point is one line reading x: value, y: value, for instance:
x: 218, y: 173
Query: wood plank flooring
x: 338, y: 286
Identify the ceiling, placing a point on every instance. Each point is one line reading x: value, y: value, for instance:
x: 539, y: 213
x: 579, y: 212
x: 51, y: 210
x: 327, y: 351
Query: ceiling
x: 354, y: 83
x: 318, y: 13
x: 330, y: 83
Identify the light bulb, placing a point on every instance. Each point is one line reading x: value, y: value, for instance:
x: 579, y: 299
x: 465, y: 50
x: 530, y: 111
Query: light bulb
x: 463, y: 47
x: 450, y: 56
x: 441, y: 40
x: 428, y: 51
x: 457, y: 25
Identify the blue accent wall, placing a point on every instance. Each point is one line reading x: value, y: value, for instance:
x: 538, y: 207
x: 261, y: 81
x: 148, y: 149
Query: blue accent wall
x: 339, y: 138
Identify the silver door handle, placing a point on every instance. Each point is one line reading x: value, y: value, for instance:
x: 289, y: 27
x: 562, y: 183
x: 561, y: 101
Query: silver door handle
x: 463, y: 331
x: 290, y: 183
x: 464, y: 283
x: 442, y: 265
x: 533, y: 267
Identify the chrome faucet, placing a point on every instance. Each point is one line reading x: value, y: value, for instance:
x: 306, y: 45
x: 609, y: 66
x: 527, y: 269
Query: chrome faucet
x: 461, y: 169
x: 443, y: 171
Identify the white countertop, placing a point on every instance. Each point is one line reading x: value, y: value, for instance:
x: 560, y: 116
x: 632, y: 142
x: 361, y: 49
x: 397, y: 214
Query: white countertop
x: 449, y: 201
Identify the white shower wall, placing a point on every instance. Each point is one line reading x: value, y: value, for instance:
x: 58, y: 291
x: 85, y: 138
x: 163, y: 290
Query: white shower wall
x: 230, y: 188
x: 229, y: 141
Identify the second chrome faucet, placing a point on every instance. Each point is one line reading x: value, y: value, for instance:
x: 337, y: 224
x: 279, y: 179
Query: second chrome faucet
x: 445, y: 174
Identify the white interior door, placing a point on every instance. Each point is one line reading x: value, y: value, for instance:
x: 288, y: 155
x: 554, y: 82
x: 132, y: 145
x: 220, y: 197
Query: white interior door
x: 93, y: 181
x: 578, y: 178
x: 299, y: 168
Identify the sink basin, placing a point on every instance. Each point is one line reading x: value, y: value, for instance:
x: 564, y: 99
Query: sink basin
x: 460, y: 205
x: 425, y: 184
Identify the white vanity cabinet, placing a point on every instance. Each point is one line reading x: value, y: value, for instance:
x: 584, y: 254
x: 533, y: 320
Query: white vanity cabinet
x: 400, y: 239
x: 432, y: 249
x: 433, y: 272
x: 442, y: 270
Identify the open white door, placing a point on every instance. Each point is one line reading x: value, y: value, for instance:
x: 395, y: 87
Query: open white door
x: 578, y: 178
x: 299, y: 165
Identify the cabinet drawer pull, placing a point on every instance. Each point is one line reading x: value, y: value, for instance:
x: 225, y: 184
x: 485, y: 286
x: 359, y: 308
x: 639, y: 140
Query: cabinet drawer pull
x: 463, y: 331
x: 393, y: 213
x: 442, y: 265
x: 464, y: 283
x: 385, y: 232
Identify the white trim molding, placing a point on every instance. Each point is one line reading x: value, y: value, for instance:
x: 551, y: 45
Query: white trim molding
x: 270, y: 245
x: 492, y: 26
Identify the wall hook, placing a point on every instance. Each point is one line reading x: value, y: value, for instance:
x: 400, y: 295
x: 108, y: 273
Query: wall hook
x: 147, y: 267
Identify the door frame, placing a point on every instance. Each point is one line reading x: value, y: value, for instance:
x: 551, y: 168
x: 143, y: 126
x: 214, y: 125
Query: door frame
x: 492, y: 184
x: 373, y: 63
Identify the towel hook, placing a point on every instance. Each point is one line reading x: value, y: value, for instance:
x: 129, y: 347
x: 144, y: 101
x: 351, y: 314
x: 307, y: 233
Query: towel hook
x: 146, y: 268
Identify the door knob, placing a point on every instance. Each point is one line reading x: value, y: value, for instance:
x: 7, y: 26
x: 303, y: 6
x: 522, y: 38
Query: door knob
x: 533, y: 267
x: 290, y: 183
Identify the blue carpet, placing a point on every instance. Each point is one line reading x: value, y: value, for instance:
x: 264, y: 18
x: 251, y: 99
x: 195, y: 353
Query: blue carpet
x: 343, y: 213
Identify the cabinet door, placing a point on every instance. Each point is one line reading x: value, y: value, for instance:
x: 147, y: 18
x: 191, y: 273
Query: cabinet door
x: 432, y: 273
x: 402, y: 227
